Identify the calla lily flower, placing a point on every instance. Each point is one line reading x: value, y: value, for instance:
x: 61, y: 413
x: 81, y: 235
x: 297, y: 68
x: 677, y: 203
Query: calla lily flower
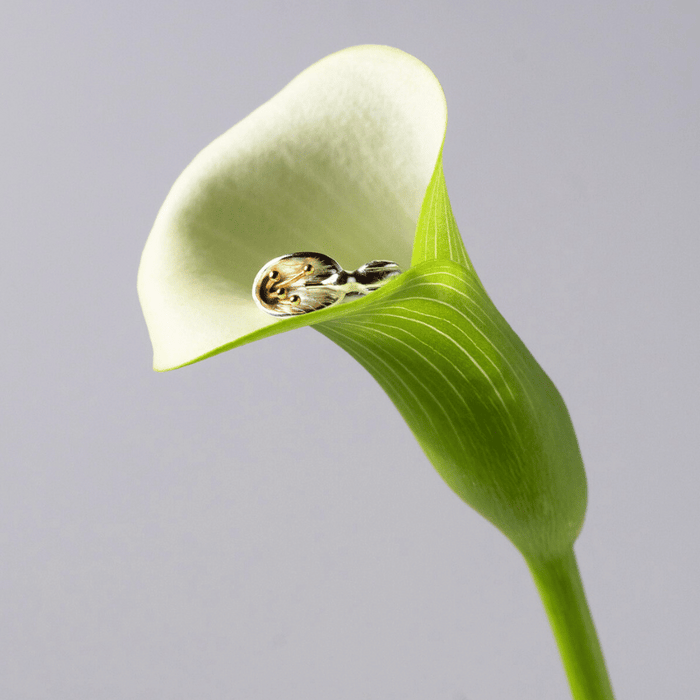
x: 347, y: 161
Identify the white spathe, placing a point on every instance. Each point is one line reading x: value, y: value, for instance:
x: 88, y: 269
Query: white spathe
x: 337, y: 162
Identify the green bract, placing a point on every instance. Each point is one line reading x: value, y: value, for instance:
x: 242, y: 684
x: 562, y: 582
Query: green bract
x: 346, y: 160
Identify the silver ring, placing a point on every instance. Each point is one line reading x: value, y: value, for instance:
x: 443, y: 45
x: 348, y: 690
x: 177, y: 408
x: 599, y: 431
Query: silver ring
x: 303, y: 282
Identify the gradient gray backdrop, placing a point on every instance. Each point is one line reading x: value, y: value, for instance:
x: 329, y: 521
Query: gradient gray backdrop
x: 159, y: 541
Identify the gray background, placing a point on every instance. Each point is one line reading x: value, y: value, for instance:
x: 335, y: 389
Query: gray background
x: 159, y: 540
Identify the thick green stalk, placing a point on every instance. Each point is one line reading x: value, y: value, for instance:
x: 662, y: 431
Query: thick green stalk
x: 561, y: 589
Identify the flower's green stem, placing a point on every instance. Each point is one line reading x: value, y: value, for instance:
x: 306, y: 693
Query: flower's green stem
x: 559, y: 583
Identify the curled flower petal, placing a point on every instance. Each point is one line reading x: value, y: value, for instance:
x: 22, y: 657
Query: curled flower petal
x: 347, y: 161
x: 337, y: 162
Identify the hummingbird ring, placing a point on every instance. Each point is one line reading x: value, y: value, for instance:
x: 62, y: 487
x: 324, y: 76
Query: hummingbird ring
x: 303, y: 282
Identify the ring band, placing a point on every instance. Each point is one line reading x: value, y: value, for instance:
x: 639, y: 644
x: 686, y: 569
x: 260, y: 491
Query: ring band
x: 303, y: 282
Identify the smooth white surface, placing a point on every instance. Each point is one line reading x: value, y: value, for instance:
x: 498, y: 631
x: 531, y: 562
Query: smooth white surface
x: 234, y: 529
x: 338, y: 162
